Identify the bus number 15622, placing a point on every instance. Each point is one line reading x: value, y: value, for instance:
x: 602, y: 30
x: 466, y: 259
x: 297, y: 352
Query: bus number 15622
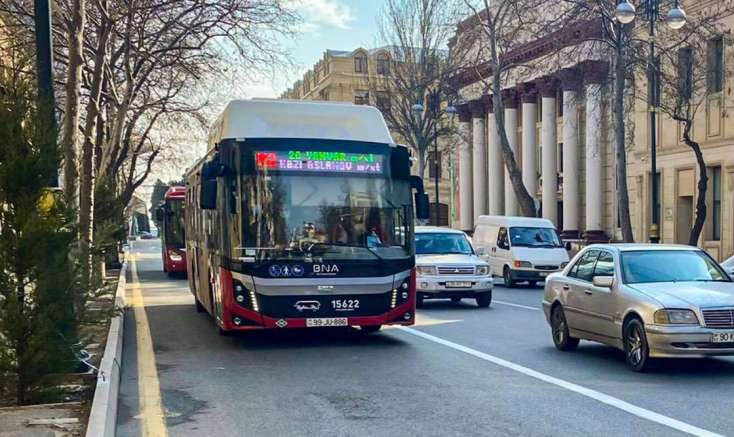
x: 345, y: 304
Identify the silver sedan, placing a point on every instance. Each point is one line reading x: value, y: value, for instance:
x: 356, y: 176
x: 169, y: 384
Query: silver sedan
x: 651, y: 301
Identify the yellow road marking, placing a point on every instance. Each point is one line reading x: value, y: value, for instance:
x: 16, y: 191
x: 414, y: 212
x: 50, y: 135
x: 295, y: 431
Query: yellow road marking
x: 149, y: 388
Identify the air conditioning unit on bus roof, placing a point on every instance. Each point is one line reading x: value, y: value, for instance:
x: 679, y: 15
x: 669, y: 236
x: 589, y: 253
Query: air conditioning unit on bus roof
x: 274, y: 118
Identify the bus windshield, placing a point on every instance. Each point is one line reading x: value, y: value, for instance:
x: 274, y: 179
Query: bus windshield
x: 345, y: 217
x: 174, y: 223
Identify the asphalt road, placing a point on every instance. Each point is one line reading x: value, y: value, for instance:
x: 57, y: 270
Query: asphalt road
x: 460, y: 371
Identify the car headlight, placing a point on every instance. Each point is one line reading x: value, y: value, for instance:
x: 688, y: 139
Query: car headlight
x: 523, y: 264
x: 481, y: 270
x: 564, y: 264
x: 675, y: 317
x: 426, y: 270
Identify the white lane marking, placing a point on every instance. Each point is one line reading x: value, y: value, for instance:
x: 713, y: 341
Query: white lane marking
x: 593, y: 394
x: 501, y: 302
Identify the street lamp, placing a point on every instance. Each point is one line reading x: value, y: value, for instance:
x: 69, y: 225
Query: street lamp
x: 434, y: 108
x: 676, y: 19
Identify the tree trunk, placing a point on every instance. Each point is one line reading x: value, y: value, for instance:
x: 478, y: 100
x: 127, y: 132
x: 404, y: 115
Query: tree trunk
x: 619, y: 146
x: 86, y: 192
x: 702, y: 186
x: 70, y: 138
x: 421, y: 162
x: 524, y: 199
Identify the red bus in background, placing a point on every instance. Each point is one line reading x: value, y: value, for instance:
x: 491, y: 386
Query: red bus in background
x: 170, y: 215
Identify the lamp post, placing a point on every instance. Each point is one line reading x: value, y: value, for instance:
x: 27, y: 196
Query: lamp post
x: 434, y: 110
x: 44, y: 68
x: 676, y: 19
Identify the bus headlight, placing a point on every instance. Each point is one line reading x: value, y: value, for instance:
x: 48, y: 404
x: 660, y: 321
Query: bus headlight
x: 174, y: 256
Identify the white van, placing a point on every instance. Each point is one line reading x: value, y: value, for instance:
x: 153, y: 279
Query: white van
x: 519, y: 248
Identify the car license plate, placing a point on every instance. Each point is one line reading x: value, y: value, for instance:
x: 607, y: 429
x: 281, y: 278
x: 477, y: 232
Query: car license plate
x: 324, y: 322
x: 723, y: 337
x: 458, y: 284
x: 543, y: 274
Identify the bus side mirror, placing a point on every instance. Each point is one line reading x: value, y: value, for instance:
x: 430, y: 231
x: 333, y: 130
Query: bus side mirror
x: 422, y: 207
x: 208, y: 195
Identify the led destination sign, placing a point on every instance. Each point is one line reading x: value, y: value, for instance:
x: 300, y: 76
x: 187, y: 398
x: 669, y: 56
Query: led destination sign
x: 315, y: 161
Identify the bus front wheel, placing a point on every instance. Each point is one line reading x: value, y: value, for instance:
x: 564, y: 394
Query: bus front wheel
x: 199, y: 307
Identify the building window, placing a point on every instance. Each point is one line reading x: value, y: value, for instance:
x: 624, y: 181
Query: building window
x: 382, y: 100
x: 559, y: 164
x: 360, y: 64
x: 659, y: 203
x: 383, y: 65
x: 361, y: 97
x: 715, y: 64
x: 715, y: 174
x: 432, y: 165
x: 685, y: 72
x: 324, y: 95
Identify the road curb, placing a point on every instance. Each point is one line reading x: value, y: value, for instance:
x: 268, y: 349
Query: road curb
x: 103, y: 416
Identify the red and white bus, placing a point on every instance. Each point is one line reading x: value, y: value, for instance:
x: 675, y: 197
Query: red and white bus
x: 170, y: 216
x: 301, y: 215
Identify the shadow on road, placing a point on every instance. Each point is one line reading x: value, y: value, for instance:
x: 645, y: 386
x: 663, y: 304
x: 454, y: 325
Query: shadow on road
x: 692, y: 368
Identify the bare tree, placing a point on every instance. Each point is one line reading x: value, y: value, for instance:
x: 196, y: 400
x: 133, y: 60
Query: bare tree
x: 70, y: 140
x: 684, y: 88
x: 416, y: 33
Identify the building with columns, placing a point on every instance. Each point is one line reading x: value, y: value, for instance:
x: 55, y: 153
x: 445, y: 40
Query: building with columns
x: 558, y: 118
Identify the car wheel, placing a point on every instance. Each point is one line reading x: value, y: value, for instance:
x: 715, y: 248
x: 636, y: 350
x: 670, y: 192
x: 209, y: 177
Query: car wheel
x: 455, y: 299
x: 509, y: 282
x: 199, y: 307
x: 636, y: 349
x: 561, y: 336
x: 369, y: 329
x: 484, y: 300
x: 419, y: 300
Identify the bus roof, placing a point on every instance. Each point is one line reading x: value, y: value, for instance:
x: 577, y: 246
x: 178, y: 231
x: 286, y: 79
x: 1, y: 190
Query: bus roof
x: 269, y: 118
x: 175, y: 192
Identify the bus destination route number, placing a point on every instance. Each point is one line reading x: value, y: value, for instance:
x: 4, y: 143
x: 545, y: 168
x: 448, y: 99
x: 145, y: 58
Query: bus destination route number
x: 315, y: 161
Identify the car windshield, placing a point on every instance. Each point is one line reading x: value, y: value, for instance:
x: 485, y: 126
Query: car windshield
x: 329, y: 217
x: 534, y: 237
x: 441, y: 243
x: 641, y: 267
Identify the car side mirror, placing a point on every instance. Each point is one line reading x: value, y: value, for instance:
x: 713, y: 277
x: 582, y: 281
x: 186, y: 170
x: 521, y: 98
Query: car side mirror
x: 208, y: 195
x: 568, y: 246
x: 422, y: 208
x: 603, y: 281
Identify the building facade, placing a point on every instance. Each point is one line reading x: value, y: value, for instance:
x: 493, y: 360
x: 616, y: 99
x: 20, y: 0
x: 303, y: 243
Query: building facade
x: 361, y: 77
x: 559, y: 123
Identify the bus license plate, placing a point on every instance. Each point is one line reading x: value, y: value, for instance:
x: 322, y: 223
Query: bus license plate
x: 324, y: 322
x: 457, y: 284
x: 723, y: 337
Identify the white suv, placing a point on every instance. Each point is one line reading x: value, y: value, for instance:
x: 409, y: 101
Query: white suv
x: 448, y: 268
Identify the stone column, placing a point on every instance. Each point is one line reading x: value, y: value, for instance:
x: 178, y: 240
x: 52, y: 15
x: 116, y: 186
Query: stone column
x: 530, y: 139
x: 549, y: 139
x: 479, y: 158
x: 571, y: 83
x: 594, y: 78
x: 466, y: 188
x: 496, y: 165
x: 509, y: 99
